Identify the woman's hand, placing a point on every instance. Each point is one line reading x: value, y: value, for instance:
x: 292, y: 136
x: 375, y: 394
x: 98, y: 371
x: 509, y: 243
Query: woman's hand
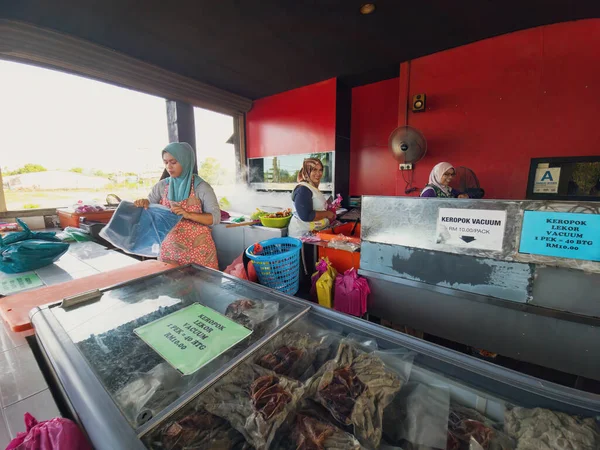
x: 320, y: 215
x: 178, y: 210
x: 142, y: 203
x: 463, y: 196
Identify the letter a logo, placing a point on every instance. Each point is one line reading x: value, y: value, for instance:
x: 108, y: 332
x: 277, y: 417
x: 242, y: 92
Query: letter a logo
x: 547, y: 176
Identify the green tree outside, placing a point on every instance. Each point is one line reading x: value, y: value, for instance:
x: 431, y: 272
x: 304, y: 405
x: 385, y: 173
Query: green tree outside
x: 27, y: 168
x: 210, y: 170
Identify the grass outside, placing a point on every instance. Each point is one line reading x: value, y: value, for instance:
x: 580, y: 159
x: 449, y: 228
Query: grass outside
x: 32, y: 199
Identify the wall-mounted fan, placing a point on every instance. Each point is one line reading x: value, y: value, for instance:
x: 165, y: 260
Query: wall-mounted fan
x: 407, y: 144
x: 466, y: 182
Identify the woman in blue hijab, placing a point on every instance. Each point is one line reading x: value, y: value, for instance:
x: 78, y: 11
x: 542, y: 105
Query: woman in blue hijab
x: 187, y: 195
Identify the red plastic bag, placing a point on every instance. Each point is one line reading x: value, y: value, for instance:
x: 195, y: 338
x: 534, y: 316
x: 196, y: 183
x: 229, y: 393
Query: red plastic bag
x: 351, y: 292
x: 54, y: 434
x: 236, y: 269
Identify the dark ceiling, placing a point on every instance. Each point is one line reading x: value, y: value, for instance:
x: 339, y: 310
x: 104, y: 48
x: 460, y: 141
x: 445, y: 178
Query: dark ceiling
x: 261, y: 47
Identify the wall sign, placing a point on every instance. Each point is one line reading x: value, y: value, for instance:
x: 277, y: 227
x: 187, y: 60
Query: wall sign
x: 565, y: 235
x: 471, y: 228
x: 192, y: 337
x: 546, y: 180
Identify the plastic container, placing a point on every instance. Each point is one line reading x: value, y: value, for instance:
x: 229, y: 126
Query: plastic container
x: 342, y: 260
x: 278, y: 264
x: 278, y: 222
x: 69, y: 218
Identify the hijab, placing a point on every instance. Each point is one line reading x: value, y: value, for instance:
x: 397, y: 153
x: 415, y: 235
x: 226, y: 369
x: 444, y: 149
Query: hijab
x: 179, y: 188
x: 308, y: 166
x: 435, y: 177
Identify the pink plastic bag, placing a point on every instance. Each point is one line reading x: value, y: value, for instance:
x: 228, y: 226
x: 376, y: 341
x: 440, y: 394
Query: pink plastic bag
x: 236, y: 269
x: 351, y: 292
x: 335, y: 205
x: 54, y: 434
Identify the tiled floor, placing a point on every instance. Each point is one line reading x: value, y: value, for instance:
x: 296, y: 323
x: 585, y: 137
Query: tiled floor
x: 22, y: 385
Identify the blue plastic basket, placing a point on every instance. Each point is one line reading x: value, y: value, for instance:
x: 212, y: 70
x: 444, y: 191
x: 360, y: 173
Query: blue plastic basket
x: 278, y: 265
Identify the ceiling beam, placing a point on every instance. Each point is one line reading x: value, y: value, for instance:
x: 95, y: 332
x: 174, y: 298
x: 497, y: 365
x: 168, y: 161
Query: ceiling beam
x: 26, y: 43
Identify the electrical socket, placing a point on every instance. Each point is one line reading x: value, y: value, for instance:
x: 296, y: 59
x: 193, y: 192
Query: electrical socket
x: 407, y: 166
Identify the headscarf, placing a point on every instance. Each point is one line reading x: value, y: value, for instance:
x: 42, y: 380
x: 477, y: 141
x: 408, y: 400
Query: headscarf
x: 435, y: 177
x: 308, y: 166
x: 179, y: 188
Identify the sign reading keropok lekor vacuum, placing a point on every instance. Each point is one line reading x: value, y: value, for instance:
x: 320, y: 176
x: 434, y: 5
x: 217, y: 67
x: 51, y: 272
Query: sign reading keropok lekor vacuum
x: 565, y: 235
x: 471, y: 228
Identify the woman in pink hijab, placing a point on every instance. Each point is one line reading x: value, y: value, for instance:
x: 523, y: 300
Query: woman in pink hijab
x: 439, y: 182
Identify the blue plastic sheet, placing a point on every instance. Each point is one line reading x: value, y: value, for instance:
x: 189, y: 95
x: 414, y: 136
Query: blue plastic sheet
x: 29, y: 250
x: 139, y: 231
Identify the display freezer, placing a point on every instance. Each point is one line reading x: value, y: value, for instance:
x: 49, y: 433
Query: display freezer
x: 305, y: 377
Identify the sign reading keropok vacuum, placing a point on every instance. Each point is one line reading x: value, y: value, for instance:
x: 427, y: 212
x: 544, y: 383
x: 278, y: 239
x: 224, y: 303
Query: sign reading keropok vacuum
x: 564, y: 235
x: 471, y: 228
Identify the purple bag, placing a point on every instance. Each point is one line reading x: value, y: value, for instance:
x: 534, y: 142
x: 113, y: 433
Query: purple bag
x: 351, y: 292
x: 54, y: 434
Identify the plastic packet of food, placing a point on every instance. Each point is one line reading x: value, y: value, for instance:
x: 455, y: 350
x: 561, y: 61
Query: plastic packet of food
x: 254, y: 400
x: 197, y: 429
x: 471, y: 430
x: 291, y: 354
x: 251, y: 313
x: 548, y: 429
x: 148, y: 394
x: 355, y: 388
x: 418, y: 416
x: 312, y: 427
x: 400, y: 360
x: 341, y: 244
x: 365, y: 343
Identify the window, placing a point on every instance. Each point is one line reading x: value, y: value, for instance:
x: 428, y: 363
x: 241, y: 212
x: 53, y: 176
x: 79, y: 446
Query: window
x: 216, y: 152
x: 67, y: 138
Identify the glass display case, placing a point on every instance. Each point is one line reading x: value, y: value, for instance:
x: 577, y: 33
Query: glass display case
x: 305, y: 377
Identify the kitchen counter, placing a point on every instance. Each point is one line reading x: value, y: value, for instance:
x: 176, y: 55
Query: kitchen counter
x: 82, y: 259
x: 232, y: 242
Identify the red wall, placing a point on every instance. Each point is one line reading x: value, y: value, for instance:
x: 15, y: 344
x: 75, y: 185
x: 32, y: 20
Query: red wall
x: 491, y: 106
x: 297, y: 121
x: 374, y: 116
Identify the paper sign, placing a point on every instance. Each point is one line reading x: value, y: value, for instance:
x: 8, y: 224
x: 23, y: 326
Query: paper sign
x: 12, y: 284
x: 565, y: 235
x: 546, y: 180
x: 192, y: 337
x: 471, y: 228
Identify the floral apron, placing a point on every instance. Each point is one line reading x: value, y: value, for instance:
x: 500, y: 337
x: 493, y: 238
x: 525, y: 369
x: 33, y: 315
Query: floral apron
x: 189, y: 242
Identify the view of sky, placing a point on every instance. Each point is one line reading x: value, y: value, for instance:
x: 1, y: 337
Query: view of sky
x: 63, y: 121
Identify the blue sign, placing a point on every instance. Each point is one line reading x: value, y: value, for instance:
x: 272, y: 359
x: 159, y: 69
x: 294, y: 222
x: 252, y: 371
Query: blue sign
x: 565, y: 235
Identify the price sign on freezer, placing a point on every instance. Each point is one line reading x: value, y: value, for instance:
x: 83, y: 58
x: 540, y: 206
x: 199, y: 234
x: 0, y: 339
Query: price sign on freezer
x: 11, y: 284
x: 192, y: 337
x: 471, y: 228
x: 560, y: 234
